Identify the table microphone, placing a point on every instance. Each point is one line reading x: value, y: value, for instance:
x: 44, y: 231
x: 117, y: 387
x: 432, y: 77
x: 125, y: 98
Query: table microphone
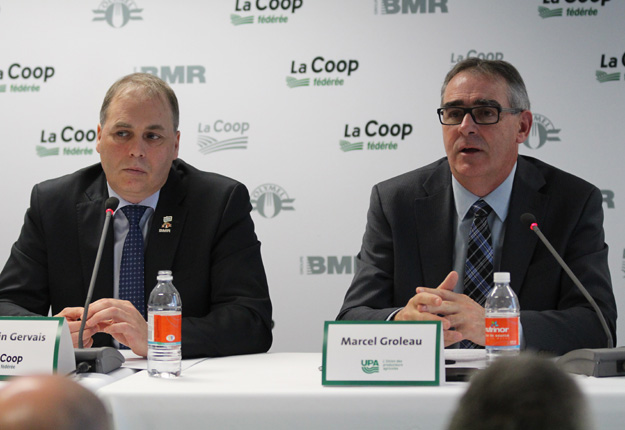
x: 598, y: 362
x: 104, y: 359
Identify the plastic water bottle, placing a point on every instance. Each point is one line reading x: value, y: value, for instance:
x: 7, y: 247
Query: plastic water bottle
x: 164, y: 328
x: 502, y: 319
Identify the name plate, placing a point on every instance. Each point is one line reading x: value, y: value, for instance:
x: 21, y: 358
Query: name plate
x: 35, y: 345
x: 383, y: 353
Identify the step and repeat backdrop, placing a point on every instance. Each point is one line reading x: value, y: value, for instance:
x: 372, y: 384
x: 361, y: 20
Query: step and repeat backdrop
x: 309, y: 103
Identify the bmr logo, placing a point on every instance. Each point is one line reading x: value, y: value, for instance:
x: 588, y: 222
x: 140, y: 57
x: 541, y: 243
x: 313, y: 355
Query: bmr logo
x: 271, y: 199
x: 332, y: 265
x: 543, y: 131
x: 370, y: 366
x: 117, y: 13
x: 177, y: 74
x: 233, y: 131
x: 392, y: 7
x: 608, y: 198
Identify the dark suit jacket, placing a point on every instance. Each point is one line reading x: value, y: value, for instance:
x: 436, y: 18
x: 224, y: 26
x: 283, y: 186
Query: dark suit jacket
x: 409, y: 242
x: 212, y: 251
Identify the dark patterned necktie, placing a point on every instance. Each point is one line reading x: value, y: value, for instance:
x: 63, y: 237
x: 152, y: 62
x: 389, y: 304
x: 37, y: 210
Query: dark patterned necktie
x: 478, y: 269
x: 131, y: 272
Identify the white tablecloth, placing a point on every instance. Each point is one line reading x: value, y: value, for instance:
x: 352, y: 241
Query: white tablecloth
x: 284, y: 391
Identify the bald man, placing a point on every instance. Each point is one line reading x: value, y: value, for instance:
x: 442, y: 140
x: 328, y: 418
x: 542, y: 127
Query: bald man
x: 50, y: 402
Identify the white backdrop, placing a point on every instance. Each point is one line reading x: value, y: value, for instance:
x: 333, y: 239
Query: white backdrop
x: 239, y: 69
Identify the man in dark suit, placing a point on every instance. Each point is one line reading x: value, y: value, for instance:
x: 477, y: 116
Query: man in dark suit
x: 418, y: 226
x: 196, y: 224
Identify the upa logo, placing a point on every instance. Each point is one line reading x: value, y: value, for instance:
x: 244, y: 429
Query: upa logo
x: 370, y: 366
x: 609, y: 62
x: 230, y: 135
x: 271, y: 199
x: 375, y: 130
x: 117, y: 13
x: 543, y: 131
x: 340, y: 68
x: 410, y: 7
x: 177, y: 74
x: 545, y: 12
x: 271, y: 11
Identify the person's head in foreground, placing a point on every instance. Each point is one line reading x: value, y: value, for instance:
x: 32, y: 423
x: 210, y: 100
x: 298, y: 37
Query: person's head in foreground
x: 522, y: 393
x: 50, y: 402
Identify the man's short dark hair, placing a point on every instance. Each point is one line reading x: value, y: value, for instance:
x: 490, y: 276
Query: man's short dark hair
x: 521, y: 393
x: 151, y: 85
x: 517, y: 93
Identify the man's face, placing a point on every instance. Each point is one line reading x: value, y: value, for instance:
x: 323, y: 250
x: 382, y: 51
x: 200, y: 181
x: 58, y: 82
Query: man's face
x: 137, y: 144
x: 482, y: 156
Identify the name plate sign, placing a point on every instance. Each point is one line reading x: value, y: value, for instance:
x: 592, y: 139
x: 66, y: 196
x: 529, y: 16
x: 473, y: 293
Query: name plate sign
x: 383, y: 353
x: 35, y: 345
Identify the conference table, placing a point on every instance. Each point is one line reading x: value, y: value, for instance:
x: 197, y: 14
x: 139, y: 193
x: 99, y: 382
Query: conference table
x: 284, y: 391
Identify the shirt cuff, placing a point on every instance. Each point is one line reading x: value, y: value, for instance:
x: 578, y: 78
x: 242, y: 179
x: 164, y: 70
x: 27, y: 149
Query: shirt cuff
x: 392, y: 315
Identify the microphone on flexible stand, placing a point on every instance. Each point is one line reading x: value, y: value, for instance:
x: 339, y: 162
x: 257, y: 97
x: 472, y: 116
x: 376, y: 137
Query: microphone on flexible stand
x: 104, y: 359
x: 598, y: 362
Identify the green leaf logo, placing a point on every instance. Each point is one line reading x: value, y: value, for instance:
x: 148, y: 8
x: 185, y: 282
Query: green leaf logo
x: 348, y: 146
x: 294, y: 83
x: 548, y: 13
x: 239, y: 20
x: 604, y: 77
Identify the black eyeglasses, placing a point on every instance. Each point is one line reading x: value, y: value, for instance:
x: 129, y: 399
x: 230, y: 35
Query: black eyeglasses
x: 483, y: 115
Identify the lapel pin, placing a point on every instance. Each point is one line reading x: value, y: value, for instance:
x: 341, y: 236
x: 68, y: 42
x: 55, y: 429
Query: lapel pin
x: 166, y: 226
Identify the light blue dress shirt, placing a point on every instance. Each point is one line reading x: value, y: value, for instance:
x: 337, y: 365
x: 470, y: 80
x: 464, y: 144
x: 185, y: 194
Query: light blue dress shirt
x: 499, y: 201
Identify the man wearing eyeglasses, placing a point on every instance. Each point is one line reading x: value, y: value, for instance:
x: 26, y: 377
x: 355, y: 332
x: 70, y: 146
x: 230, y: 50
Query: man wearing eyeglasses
x: 435, y: 235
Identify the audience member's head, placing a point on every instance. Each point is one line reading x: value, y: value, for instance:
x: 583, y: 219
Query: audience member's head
x: 50, y: 402
x: 521, y: 393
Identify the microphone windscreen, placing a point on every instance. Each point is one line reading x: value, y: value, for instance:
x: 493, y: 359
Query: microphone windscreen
x: 112, y: 203
x: 528, y: 219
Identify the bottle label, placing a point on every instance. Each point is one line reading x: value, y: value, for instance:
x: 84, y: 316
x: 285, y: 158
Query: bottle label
x: 165, y: 328
x: 502, y: 331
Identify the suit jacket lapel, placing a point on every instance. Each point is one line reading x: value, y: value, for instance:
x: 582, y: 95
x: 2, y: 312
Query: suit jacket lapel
x: 90, y: 220
x: 520, y: 241
x: 165, y: 230
x: 435, y: 219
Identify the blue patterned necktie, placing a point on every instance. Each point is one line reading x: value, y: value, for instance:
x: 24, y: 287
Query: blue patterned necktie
x: 478, y: 269
x: 131, y: 273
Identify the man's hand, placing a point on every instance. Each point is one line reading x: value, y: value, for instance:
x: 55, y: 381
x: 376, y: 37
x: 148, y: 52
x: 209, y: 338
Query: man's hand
x: 462, y: 312
x: 420, y: 305
x: 456, y: 311
x: 122, y: 320
x: 73, y: 317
